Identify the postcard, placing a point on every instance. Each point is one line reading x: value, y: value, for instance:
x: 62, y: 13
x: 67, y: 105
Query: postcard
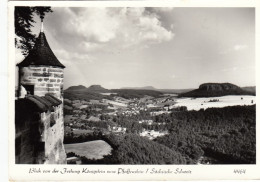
x: 133, y: 90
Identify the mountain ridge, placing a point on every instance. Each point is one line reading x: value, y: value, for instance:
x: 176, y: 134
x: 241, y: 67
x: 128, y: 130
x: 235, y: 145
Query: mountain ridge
x: 206, y: 88
x: 175, y: 91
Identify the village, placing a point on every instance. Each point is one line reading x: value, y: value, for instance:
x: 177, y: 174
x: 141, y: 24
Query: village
x: 83, y: 116
x: 86, y: 117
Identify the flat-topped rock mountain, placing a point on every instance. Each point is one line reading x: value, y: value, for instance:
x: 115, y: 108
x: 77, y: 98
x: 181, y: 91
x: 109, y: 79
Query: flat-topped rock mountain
x: 218, y: 86
x: 74, y: 88
x: 92, y: 88
x: 216, y: 89
x: 86, y: 93
x: 97, y: 88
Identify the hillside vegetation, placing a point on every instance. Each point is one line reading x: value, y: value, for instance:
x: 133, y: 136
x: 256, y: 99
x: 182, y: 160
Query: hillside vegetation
x: 129, y: 93
x: 249, y: 89
x: 82, y: 95
x: 94, y: 92
x: 174, y: 91
x: 133, y: 149
x: 228, y: 134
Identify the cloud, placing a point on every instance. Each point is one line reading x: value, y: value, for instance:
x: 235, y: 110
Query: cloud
x: 160, y: 9
x: 239, y: 47
x: 103, y: 29
x: 165, y: 9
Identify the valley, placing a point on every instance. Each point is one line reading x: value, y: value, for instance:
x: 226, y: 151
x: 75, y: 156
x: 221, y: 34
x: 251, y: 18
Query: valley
x: 133, y: 122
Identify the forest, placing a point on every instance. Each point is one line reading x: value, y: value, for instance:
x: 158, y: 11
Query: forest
x: 82, y: 95
x: 133, y: 149
x: 228, y: 134
x: 225, y: 134
x: 125, y: 93
x: 215, y: 93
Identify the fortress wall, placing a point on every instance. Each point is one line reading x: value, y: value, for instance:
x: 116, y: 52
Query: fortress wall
x: 45, y: 123
x: 29, y: 149
x: 46, y: 79
x: 39, y: 136
x: 48, y: 146
x: 53, y: 137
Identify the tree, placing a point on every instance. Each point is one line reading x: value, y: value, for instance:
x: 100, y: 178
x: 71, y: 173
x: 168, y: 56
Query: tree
x: 23, y: 24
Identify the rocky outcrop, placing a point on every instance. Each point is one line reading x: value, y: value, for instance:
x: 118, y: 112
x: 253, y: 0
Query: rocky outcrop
x: 218, y: 86
x: 75, y: 88
x: 216, y: 90
x: 97, y: 88
x: 92, y: 88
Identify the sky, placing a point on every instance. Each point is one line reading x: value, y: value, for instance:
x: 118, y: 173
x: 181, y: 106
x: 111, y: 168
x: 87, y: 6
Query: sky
x: 167, y: 48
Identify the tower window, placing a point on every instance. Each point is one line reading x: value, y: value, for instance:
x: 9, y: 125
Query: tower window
x: 29, y: 89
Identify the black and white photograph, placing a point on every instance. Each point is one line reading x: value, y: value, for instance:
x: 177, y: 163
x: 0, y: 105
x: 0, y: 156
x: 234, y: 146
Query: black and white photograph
x: 137, y: 86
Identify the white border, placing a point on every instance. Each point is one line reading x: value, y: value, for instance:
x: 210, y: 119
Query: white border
x: 201, y: 172
x: 3, y: 92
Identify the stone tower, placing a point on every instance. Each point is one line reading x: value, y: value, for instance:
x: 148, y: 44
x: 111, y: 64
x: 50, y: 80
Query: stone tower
x: 41, y: 76
x: 41, y: 72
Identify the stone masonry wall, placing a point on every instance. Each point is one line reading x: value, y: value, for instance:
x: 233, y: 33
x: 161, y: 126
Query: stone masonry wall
x: 40, y: 139
x: 29, y: 149
x: 46, y: 79
x: 53, y: 135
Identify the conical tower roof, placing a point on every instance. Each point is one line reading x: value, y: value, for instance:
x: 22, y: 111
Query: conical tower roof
x: 41, y: 54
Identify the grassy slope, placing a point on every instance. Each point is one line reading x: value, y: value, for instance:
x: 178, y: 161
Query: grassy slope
x: 92, y: 150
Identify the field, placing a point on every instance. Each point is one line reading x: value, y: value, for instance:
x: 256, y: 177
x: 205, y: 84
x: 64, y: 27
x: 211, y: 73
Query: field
x: 81, y: 131
x: 216, y: 102
x: 116, y: 104
x: 91, y: 150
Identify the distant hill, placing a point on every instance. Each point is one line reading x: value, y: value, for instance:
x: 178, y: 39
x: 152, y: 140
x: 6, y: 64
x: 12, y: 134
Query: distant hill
x: 92, y: 88
x: 175, y: 91
x: 140, y: 88
x: 94, y: 92
x: 132, y: 93
x: 74, y: 88
x: 82, y: 92
x: 204, y: 90
x: 250, y: 89
x: 216, y: 90
x: 97, y: 89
